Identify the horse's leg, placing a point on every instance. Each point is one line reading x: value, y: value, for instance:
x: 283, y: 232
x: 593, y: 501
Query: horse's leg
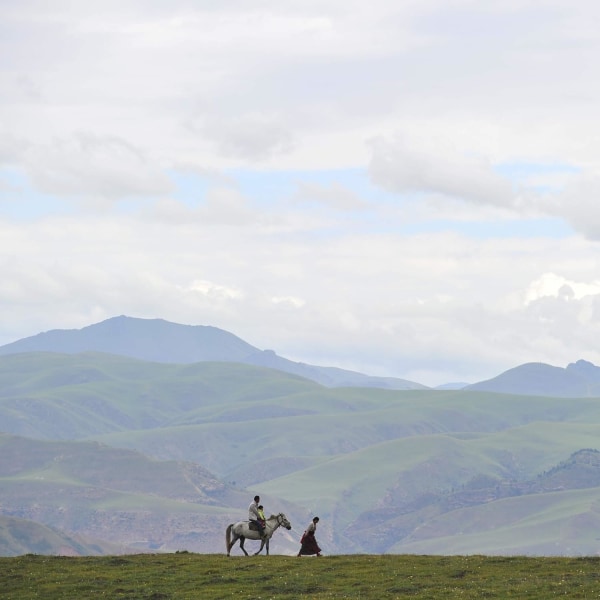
x: 242, y: 539
x: 268, y: 546
x: 262, y: 544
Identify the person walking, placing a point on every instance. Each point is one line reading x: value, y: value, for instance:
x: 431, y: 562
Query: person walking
x: 308, y: 542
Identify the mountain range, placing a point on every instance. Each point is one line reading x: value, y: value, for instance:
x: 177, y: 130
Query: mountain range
x: 109, y: 446
x: 165, y: 342
x: 161, y: 341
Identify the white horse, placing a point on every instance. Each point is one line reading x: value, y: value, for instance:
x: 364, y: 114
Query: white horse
x: 241, y: 531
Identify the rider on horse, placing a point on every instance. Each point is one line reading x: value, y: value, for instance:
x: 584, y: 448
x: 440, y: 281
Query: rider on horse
x: 255, y: 517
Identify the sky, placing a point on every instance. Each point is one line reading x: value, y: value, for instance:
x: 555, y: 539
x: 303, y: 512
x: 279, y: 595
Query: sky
x: 401, y: 188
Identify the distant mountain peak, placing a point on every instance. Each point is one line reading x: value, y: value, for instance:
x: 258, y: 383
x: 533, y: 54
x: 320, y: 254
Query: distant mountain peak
x: 583, y: 366
x: 578, y: 380
x: 158, y: 340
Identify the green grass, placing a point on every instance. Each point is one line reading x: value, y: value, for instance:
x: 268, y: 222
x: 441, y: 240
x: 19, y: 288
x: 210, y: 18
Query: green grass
x: 190, y: 576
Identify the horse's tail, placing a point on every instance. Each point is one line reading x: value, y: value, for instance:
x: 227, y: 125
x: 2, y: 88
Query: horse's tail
x: 228, y: 538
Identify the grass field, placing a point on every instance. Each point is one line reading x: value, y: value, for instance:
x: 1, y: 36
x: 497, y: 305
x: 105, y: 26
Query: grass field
x: 201, y: 576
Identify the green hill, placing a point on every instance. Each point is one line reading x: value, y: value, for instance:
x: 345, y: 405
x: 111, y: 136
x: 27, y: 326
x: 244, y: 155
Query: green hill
x: 61, y: 396
x: 380, y: 467
x: 20, y: 536
x: 119, y: 496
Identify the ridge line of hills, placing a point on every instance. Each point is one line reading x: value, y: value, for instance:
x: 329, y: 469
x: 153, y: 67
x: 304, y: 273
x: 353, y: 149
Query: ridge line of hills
x: 157, y: 340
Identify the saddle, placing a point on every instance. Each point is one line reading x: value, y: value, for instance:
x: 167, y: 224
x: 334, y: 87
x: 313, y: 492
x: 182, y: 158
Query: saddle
x: 253, y: 526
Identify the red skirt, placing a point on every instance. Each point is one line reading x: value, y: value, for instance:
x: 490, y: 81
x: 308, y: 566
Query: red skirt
x: 309, y: 544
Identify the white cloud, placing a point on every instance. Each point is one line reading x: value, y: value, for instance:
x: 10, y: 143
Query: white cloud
x: 94, y: 168
x: 556, y: 286
x: 214, y: 290
x: 288, y: 301
x: 102, y: 101
x: 578, y: 204
x: 334, y: 195
x: 431, y: 166
x: 252, y: 137
x: 228, y: 206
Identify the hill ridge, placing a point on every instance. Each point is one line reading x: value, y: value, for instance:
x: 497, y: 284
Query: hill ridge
x: 158, y: 340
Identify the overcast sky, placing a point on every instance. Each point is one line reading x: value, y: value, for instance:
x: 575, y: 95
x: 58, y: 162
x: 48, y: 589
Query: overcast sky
x: 402, y: 188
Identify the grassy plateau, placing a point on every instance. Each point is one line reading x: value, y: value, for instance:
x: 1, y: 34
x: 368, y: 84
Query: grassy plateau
x: 210, y: 576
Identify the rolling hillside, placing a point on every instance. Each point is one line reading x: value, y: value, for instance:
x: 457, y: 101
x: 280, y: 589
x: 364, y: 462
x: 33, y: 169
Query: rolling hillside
x: 120, y: 498
x: 184, y: 447
x: 63, y: 396
x: 20, y: 536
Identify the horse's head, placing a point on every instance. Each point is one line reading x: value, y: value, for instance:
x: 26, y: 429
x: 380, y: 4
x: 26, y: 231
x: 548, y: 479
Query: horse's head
x: 283, y: 521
